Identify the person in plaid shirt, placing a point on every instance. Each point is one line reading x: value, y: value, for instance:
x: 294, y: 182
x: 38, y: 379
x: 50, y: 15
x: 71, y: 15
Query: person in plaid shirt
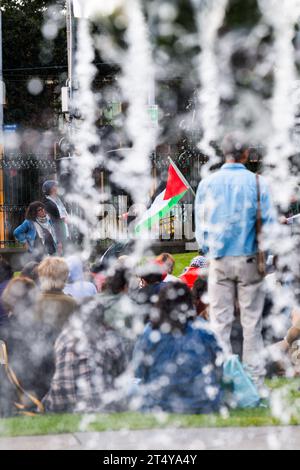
x: 89, y: 356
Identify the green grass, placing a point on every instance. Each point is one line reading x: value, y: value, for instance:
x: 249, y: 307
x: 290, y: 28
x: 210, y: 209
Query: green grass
x: 59, y: 424
x: 182, y: 261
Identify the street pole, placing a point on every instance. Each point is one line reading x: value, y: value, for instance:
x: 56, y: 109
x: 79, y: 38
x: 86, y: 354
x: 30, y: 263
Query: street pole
x: 2, y: 92
x: 70, y: 47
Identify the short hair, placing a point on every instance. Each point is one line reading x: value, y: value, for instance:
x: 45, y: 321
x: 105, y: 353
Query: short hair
x: 6, y: 271
x: 117, y: 281
x: 31, y: 212
x: 234, y: 145
x: 152, y: 272
x: 19, y: 294
x: 174, y: 308
x: 53, y: 274
x: 30, y: 271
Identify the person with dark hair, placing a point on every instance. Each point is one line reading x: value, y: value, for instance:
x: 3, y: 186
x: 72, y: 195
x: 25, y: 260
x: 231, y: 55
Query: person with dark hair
x: 152, y: 275
x: 120, y: 311
x: 177, y: 361
x: 229, y: 205
x: 200, y: 298
x: 30, y: 271
x: 6, y: 274
x: 37, y: 232
x: 89, y: 358
x: 197, y: 268
x: 57, y: 212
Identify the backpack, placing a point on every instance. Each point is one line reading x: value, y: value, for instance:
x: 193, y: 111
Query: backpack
x: 25, y: 402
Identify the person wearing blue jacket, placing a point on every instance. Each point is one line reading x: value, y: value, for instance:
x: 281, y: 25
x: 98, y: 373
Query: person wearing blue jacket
x: 177, y: 361
x: 37, y: 232
x: 226, y: 213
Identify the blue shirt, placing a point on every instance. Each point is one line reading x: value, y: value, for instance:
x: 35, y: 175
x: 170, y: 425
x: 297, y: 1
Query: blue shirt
x: 179, y: 372
x: 226, y: 212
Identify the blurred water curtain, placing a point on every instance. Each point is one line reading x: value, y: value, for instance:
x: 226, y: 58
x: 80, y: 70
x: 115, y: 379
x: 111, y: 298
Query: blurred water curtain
x: 130, y: 170
x: 210, y: 15
x: 246, y: 79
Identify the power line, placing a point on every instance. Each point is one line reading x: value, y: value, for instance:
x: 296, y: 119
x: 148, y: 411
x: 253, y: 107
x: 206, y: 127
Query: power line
x: 21, y: 69
x: 110, y: 64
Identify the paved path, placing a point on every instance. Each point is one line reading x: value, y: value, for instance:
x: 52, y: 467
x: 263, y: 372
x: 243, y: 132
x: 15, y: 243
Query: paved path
x: 281, y: 438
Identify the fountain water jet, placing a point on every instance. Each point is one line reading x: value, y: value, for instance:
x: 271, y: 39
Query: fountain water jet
x: 210, y: 15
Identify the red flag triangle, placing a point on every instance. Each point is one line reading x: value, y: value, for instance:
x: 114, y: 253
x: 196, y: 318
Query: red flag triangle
x: 175, y: 185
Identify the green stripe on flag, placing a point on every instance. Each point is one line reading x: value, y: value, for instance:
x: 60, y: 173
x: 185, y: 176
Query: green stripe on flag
x: 148, y: 224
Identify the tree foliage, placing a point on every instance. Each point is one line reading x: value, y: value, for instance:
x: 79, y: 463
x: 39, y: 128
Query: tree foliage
x: 27, y: 54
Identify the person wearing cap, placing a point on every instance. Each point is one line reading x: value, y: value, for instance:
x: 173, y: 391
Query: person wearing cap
x: 57, y: 212
x: 226, y: 215
x: 198, y: 268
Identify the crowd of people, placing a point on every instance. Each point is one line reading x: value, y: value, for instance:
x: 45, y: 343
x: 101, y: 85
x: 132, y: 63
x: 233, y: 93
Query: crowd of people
x: 135, y: 336
x: 78, y: 349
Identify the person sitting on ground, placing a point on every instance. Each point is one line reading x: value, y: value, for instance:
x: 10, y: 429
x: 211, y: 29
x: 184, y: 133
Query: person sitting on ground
x: 152, y: 275
x: 37, y: 232
x: 200, y: 297
x: 53, y: 305
x: 120, y: 311
x: 169, y: 262
x: 30, y: 271
x: 98, y: 274
x: 198, y: 268
x: 6, y: 274
x: 177, y: 361
x: 77, y: 286
x: 30, y: 345
x: 89, y: 357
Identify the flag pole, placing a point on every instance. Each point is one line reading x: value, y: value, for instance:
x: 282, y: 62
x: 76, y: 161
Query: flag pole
x: 181, y: 176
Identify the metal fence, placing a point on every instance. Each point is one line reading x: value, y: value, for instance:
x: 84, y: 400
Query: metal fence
x: 24, y: 175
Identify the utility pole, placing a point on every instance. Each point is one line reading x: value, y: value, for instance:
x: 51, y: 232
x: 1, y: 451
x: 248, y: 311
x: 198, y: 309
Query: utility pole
x: 70, y: 88
x: 67, y: 92
x: 70, y: 47
x: 2, y: 99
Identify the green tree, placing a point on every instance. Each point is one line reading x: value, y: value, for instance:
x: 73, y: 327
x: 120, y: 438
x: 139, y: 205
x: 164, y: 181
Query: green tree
x: 27, y: 54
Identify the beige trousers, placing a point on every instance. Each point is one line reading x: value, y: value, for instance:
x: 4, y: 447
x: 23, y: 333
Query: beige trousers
x: 238, y: 276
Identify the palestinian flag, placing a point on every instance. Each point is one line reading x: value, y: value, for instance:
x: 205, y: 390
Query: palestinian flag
x: 176, y: 188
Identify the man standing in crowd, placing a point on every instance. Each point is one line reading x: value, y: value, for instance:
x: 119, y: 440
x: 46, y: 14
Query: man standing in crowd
x: 226, y: 231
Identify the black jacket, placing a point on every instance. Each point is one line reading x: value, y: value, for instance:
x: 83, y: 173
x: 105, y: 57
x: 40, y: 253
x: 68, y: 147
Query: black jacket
x: 53, y: 212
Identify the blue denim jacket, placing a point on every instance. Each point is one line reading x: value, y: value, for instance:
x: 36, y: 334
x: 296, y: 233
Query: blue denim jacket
x: 26, y: 233
x: 177, y: 372
x: 226, y: 212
